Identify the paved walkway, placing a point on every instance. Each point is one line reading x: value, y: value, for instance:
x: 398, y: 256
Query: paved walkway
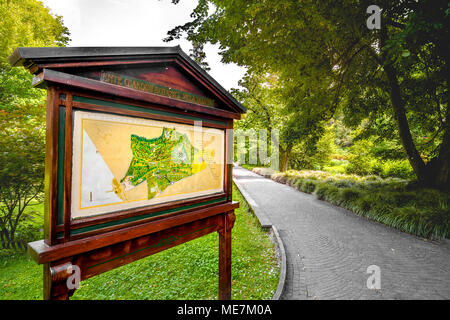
x: 328, y: 249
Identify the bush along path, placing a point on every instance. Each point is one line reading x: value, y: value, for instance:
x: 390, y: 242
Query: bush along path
x: 330, y: 250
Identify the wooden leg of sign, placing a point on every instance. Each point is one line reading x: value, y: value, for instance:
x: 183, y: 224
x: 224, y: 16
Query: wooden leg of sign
x: 47, y: 281
x: 225, y: 256
x: 55, y: 281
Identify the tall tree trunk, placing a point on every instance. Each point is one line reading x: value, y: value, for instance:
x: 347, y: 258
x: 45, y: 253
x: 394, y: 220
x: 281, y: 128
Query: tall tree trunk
x: 439, y: 169
x: 285, y: 155
x: 2, y: 239
x: 12, y: 238
x: 398, y: 107
x: 5, y: 240
x: 406, y: 139
x: 442, y: 177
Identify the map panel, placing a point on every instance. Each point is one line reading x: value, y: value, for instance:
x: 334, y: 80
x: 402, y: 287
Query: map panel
x: 122, y: 162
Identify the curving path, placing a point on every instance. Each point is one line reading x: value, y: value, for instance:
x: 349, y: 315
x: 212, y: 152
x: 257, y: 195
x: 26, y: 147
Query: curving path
x: 328, y: 248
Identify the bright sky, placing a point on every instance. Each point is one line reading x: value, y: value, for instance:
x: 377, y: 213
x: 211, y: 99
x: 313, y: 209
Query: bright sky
x: 95, y: 23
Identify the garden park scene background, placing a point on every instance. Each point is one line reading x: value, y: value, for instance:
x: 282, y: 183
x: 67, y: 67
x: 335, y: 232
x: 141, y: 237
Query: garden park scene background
x: 361, y: 115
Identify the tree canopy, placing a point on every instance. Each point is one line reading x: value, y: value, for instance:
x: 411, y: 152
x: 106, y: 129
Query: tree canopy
x: 25, y: 23
x: 22, y: 113
x: 327, y: 61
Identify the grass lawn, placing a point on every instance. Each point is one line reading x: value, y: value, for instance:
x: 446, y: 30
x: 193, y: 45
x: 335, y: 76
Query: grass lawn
x: 188, y: 271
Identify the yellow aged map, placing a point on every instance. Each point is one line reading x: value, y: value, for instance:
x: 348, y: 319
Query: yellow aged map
x: 122, y: 162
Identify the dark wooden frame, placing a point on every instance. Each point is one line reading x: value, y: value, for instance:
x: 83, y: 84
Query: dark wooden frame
x: 100, y: 243
x: 68, y: 225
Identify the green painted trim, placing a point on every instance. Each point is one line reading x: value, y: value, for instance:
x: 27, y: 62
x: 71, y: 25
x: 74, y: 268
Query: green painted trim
x: 60, y: 172
x: 161, y: 243
x: 137, y: 218
x: 134, y: 108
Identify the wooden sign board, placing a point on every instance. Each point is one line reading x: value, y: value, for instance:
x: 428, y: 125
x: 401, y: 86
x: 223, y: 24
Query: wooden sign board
x: 136, y: 158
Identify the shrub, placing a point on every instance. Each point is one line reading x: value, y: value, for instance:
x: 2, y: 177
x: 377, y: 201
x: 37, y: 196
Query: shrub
x: 397, y: 168
x: 308, y: 186
x: 360, y: 160
x: 364, y: 204
x: 373, y: 178
x: 427, y: 223
x: 342, y: 183
x: 339, y: 157
x: 279, y: 177
x: 381, y: 208
x: 321, y: 190
x: 402, y: 199
x: 292, y: 181
x: 349, y: 194
x: 336, y: 169
x: 265, y: 172
x: 298, y: 184
x: 307, y: 156
x: 327, y: 192
x: 335, y: 163
x: 377, y: 168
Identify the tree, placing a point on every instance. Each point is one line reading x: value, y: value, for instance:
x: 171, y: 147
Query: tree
x: 266, y: 110
x: 314, y: 155
x: 199, y: 56
x: 22, y: 146
x: 22, y: 113
x: 328, y: 60
x: 25, y: 23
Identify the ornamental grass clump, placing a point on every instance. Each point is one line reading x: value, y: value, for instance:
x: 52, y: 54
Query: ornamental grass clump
x: 327, y: 192
x: 308, y: 186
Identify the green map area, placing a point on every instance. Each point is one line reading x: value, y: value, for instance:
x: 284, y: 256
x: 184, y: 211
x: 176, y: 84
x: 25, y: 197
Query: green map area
x: 160, y: 161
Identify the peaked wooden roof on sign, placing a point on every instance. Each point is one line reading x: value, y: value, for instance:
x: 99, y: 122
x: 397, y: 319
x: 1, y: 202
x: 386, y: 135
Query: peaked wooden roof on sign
x: 50, y: 64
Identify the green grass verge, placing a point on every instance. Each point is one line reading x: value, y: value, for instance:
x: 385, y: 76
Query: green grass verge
x: 188, y: 271
x: 395, y: 202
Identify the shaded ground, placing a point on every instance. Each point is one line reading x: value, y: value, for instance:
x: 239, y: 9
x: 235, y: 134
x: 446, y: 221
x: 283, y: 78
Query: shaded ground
x: 329, y: 249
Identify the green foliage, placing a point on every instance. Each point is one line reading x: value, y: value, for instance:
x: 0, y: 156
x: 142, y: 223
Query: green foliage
x: 337, y: 168
x: 22, y: 118
x: 261, y: 95
x: 199, y: 56
x: 387, y: 149
x: 29, y: 23
x: 25, y: 23
x: 314, y: 156
x: 16, y: 89
x: 22, y: 146
x: 348, y: 194
x: 364, y: 159
x: 187, y: 271
x: 360, y: 159
x: 328, y: 63
x: 396, y: 168
x: 326, y: 192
